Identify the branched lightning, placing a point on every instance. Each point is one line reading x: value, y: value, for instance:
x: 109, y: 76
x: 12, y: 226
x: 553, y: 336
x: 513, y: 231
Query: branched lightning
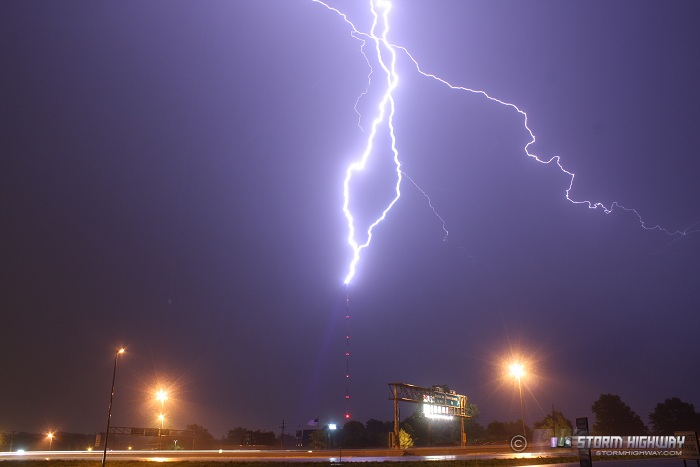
x: 385, y: 53
x: 430, y: 205
x: 385, y: 115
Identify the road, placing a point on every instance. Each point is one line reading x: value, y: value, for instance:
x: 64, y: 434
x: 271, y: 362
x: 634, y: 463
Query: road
x: 369, y: 455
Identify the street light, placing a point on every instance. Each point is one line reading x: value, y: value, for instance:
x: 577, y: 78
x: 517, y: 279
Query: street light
x: 161, y: 417
x: 517, y: 370
x: 50, y: 436
x: 111, y: 398
x: 161, y: 395
x: 332, y: 427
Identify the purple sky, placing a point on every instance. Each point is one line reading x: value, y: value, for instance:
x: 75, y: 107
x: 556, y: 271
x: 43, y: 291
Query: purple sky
x: 171, y: 180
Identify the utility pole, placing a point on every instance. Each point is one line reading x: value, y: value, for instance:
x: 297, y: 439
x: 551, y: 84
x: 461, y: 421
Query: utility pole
x: 283, y: 426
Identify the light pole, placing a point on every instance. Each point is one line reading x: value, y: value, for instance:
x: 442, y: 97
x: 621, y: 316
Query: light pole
x: 161, y: 396
x: 111, y: 398
x: 50, y: 436
x: 516, y: 369
x: 161, y: 417
x: 332, y: 427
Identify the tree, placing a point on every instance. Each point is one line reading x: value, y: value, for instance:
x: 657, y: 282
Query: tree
x: 354, y: 435
x: 287, y: 440
x: 475, y: 431
x: 72, y: 441
x: 174, y: 446
x: 405, y: 440
x: 503, y: 431
x: 202, y: 438
x: 417, y: 426
x: 318, y: 439
x: 236, y: 436
x: 674, y: 415
x: 262, y: 438
x: 556, y: 422
x: 378, y: 432
x: 472, y: 410
x: 472, y: 428
x: 614, y: 417
x: 445, y: 432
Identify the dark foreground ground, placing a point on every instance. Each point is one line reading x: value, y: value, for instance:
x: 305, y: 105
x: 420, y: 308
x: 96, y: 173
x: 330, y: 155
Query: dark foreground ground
x: 461, y: 463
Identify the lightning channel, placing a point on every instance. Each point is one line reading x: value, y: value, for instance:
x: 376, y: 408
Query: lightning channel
x: 385, y: 53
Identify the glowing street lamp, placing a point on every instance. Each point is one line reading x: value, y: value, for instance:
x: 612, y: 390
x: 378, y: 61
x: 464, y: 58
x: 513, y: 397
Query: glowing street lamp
x: 332, y: 427
x: 331, y: 430
x: 161, y: 396
x: 111, y: 397
x: 517, y: 370
x: 50, y: 436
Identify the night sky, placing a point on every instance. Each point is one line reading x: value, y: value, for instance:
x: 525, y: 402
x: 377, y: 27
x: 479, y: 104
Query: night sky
x: 171, y: 181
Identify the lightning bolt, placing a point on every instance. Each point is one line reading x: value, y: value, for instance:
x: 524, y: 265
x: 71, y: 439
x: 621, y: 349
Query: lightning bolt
x: 385, y: 53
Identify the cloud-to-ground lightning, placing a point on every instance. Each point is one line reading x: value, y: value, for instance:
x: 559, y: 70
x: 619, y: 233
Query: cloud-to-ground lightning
x: 385, y: 53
